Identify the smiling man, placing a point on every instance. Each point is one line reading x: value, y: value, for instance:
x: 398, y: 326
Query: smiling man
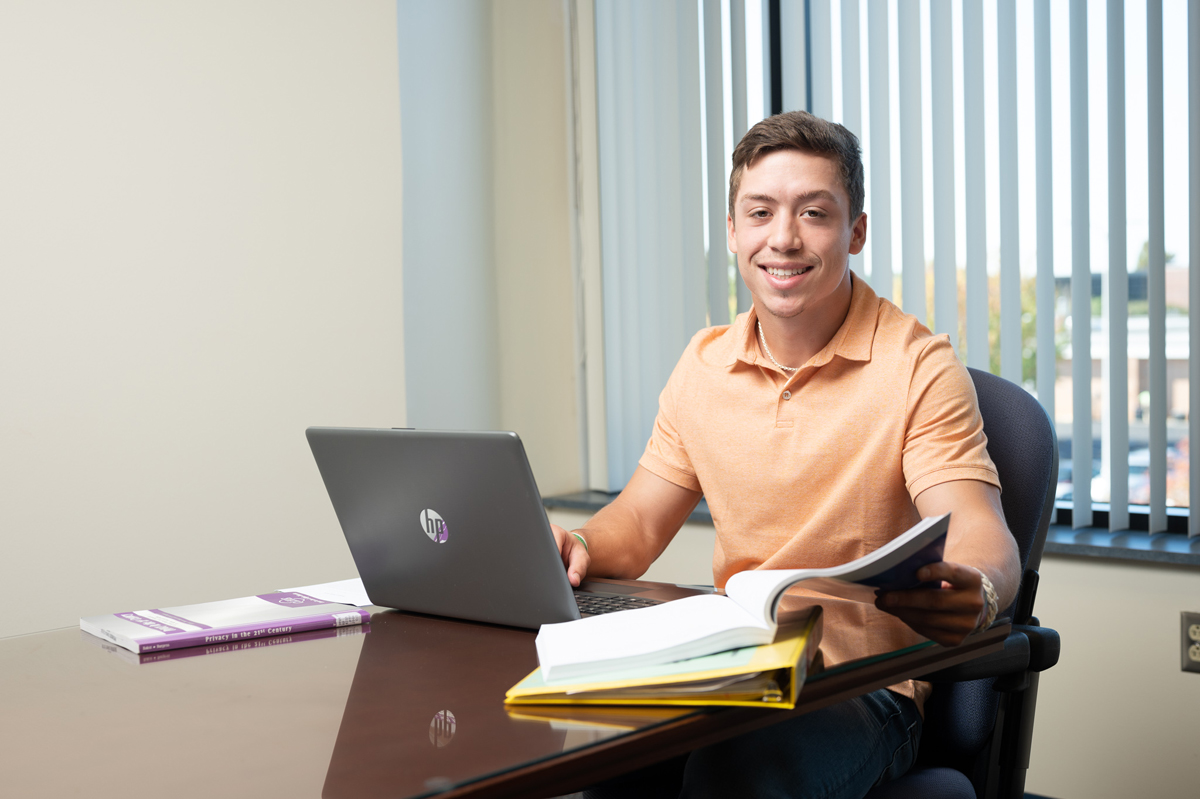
x: 819, y: 425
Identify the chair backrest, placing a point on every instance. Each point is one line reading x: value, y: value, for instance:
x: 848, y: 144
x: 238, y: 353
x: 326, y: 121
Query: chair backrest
x: 960, y: 716
x: 1023, y: 445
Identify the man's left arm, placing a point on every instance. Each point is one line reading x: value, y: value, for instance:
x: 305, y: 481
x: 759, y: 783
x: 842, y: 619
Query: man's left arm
x: 978, y: 541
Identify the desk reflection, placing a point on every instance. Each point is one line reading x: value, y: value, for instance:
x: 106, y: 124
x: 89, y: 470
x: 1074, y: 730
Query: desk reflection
x: 426, y: 711
x: 853, y: 630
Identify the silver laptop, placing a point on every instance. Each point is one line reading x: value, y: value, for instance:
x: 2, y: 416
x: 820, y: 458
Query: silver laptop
x: 452, y: 524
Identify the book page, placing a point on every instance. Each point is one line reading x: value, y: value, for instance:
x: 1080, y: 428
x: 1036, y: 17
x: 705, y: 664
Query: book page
x: 893, y: 565
x: 757, y: 591
x: 345, y: 592
x: 656, y: 634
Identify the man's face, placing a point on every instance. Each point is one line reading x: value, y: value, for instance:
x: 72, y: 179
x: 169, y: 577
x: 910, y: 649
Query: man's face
x: 792, y: 232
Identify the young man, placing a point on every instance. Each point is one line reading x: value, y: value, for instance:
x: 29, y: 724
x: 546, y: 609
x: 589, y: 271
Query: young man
x: 818, y: 425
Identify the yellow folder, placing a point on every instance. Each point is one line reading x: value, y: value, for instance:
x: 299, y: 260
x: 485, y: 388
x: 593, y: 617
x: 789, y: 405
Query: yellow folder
x: 759, y: 676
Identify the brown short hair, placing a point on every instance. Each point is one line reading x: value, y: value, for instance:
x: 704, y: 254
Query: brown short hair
x: 800, y: 130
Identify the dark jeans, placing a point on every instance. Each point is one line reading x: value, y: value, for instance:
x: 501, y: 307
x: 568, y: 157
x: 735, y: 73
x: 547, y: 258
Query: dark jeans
x: 838, y: 752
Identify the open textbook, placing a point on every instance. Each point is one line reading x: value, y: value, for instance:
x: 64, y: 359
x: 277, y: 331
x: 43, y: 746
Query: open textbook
x: 758, y: 676
x: 744, y: 616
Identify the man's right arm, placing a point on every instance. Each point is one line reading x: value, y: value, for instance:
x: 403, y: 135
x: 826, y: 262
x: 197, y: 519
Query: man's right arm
x: 628, y: 534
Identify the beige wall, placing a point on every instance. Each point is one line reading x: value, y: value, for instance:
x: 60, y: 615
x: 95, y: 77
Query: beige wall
x: 1116, y: 717
x: 199, y: 257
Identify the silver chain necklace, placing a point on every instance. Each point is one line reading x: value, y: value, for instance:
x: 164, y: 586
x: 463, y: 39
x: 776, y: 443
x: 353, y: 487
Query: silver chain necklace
x: 767, y: 350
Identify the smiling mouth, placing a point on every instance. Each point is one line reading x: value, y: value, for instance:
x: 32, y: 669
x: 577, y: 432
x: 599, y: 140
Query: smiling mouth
x: 776, y: 272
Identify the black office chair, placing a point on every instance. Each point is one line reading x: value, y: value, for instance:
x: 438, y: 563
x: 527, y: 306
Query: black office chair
x: 979, y: 721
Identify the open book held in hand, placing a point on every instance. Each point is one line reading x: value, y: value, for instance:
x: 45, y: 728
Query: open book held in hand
x: 744, y: 616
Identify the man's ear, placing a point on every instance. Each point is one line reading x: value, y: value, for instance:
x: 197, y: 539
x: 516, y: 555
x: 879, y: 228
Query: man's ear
x: 858, y: 235
x: 729, y: 237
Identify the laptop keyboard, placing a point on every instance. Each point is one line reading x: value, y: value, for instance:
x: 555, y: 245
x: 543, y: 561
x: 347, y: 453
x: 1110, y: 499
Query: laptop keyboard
x: 594, y: 604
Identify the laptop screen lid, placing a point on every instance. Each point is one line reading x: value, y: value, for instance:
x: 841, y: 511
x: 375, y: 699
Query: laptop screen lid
x: 445, y: 522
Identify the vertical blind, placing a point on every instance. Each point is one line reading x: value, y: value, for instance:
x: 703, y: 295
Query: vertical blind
x: 1081, y: 271
x: 941, y: 92
x: 648, y: 98
x: 1116, y: 278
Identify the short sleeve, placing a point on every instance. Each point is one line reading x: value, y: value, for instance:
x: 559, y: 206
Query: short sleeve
x: 666, y: 453
x: 943, y: 438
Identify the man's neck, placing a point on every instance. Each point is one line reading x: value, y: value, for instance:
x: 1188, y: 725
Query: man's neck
x: 795, y: 340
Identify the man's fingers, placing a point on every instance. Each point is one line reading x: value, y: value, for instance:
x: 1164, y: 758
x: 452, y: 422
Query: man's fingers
x: 948, y: 630
x: 574, y: 554
x: 578, y: 564
x: 560, y: 540
x: 958, y: 575
x: 946, y: 615
x: 944, y: 599
x: 958, y: 607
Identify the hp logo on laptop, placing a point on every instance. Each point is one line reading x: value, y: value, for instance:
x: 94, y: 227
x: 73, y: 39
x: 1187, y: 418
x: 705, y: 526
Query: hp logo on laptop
x: 442, y: 728
x: 434, y: 526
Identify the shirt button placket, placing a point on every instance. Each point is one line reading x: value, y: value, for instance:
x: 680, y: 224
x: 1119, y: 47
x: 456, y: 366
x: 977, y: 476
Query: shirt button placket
x: 783, y: 411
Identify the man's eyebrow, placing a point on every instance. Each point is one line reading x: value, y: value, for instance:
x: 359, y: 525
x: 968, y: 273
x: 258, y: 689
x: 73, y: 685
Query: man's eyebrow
x: 815, y: 194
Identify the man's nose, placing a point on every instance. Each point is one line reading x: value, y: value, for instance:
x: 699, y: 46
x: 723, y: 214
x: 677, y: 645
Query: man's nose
x: 785, y: 234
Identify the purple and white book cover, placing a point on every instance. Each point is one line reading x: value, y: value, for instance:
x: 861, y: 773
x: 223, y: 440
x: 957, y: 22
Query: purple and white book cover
x: 225, y: 621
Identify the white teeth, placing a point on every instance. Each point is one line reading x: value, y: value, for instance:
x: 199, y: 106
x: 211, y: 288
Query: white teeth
x: 786, y: 272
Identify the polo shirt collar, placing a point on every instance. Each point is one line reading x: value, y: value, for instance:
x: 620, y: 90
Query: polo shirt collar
x: 852, y: 340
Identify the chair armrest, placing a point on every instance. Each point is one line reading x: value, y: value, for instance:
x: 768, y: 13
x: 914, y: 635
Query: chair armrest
x: 1027, y: 648
x: 1044, y: 645
x: 1013, y: 658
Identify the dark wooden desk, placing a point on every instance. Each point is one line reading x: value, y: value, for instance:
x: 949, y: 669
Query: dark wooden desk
x: 414, y: 707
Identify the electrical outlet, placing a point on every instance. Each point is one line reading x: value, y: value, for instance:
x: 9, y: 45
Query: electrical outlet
x: 1189, y: 625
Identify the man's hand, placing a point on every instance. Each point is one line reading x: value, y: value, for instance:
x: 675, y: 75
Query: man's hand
x: 947, y: 614
x: 574, y: 554
x: 978, y: 539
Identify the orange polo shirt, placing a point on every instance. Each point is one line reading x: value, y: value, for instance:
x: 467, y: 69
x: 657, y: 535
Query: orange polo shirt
x: 821, y: 466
